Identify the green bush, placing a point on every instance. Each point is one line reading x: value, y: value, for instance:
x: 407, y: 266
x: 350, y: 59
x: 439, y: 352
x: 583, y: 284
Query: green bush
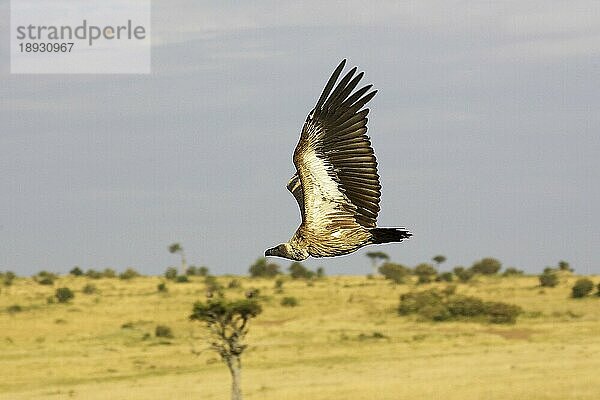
x: 76, y: 271
x: 320, y: 272
x: 548, y: 278
x: 511, y: 271
x: 444, y: 305
x: 171, y: 273
x: 394, y: 272
x: 163, y: 331
x: 45, y: 278
x: 129, y: 273
x: 463, y: 274
x: 502, y: 313
x: 64, y: 294
x: 445, y: 277
x: 162, y: 287
x: 426, y: 272
x: 299, y: 271
x: 196, y: 271
x: 486, y: 266
x: 93, y: 274
x: 234, y: 284
x: 212, y: 285
x: 15, y: 308
x: 108, y: 273
x: 7, y: 278
x: 263, y: 269
x: 289, y: 302
x: 89, y: 289
x: 598, y: 293
x: 582, y: 288
x: 182, y: 279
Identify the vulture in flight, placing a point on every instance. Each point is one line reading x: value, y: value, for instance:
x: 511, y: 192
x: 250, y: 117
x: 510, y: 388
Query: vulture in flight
x: 336, y: 183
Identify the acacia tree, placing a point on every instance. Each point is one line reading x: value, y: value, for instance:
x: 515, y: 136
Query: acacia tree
x: 176, y: 248
x: 439, y: 259
x: 375, y: 257
x: 227, y: 323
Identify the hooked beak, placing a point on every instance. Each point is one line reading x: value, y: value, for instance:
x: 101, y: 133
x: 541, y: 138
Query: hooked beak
x: 269, y: 252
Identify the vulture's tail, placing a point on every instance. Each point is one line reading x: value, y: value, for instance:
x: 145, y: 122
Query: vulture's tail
x: 386, y: 235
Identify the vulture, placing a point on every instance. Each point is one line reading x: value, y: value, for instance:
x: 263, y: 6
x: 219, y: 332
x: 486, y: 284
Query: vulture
x: 336, y: 183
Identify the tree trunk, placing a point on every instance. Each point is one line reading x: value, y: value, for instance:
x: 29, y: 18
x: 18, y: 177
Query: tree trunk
x: 183, y: 264
x: 235, y: 368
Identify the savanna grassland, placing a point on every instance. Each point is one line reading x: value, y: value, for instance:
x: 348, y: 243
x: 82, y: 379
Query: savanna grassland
x: 344, y: 340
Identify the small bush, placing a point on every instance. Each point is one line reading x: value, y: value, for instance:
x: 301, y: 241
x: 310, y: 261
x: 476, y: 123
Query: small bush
x: 299, y: 271
x: 163, y: 331
x: 263, y: 269
x: 76, y: 271
x: 426, y: 272
x: 438, y: 305
x: 487, y: 266
x: 182, y: 279
x: 45, y: 278
x: 89, y: 289
x: 196, y: 271
x: 93, y: 274
x: 234, y: 284
x: 445, y: 277
x: 162, y: 287
x: 320, y: 272
x: 171, y: 273
x: 511, y: 271
x: 289, y: 302
x: 582, y: 288
x: 129, y: 273
x: 108, y: 273
x: 64, y: 294
x: 212, y: 285
x: 7, y: 278
x: 394, y: 272
x: 423, y: 279
x: 463, y: 274
x: 548, y: 278
x: 15, y: 308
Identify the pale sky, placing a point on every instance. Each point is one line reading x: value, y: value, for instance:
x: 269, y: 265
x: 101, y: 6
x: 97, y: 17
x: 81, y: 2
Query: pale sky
x: 486, y: 128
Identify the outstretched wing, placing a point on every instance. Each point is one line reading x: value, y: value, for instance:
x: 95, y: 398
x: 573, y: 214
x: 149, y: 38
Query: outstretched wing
x: 334, y: 158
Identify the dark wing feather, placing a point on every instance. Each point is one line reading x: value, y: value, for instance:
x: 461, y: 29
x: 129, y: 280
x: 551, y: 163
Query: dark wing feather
x: 295, y: 187
x: 335, y: 134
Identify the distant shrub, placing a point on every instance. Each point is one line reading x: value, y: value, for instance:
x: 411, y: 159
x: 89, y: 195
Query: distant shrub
x: 426, y: 272
x: 289, y: 302
x: 299, y: 271
x: 502, y: 313
x: 279, y: 283
x: 486, y: 266
x: 7, y: 278
x: 171, y: 273
x: 320, y: 272
x: 463, y: 274
x: 438, y: 305
x: 129, y: 273
x: 76, y: 271
x: 394, y: 272
x: 564, y: 266
x: 598, y: 293
x: 15, y: 308
x: 196, y: 271
x: 263, y: 269
x: 89, y: 289
x: 64, y: 294
x: 548, y: 278
x: 182, y: 279
x: 212, y: 285
x: 582, y: 288
x: 445, y: 277
x: 162, y: 287
x: 511, y: 271
x: 163, y: 331
x: 93, y: 274
x: 109, y: 273
x: 45, y: 278
x: 234, y: 284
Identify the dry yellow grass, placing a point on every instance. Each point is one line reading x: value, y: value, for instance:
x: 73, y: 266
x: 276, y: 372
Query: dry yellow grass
x: 312, y: 351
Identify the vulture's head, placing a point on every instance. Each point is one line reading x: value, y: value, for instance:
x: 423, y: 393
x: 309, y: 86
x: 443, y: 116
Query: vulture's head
x: 286, y: 251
